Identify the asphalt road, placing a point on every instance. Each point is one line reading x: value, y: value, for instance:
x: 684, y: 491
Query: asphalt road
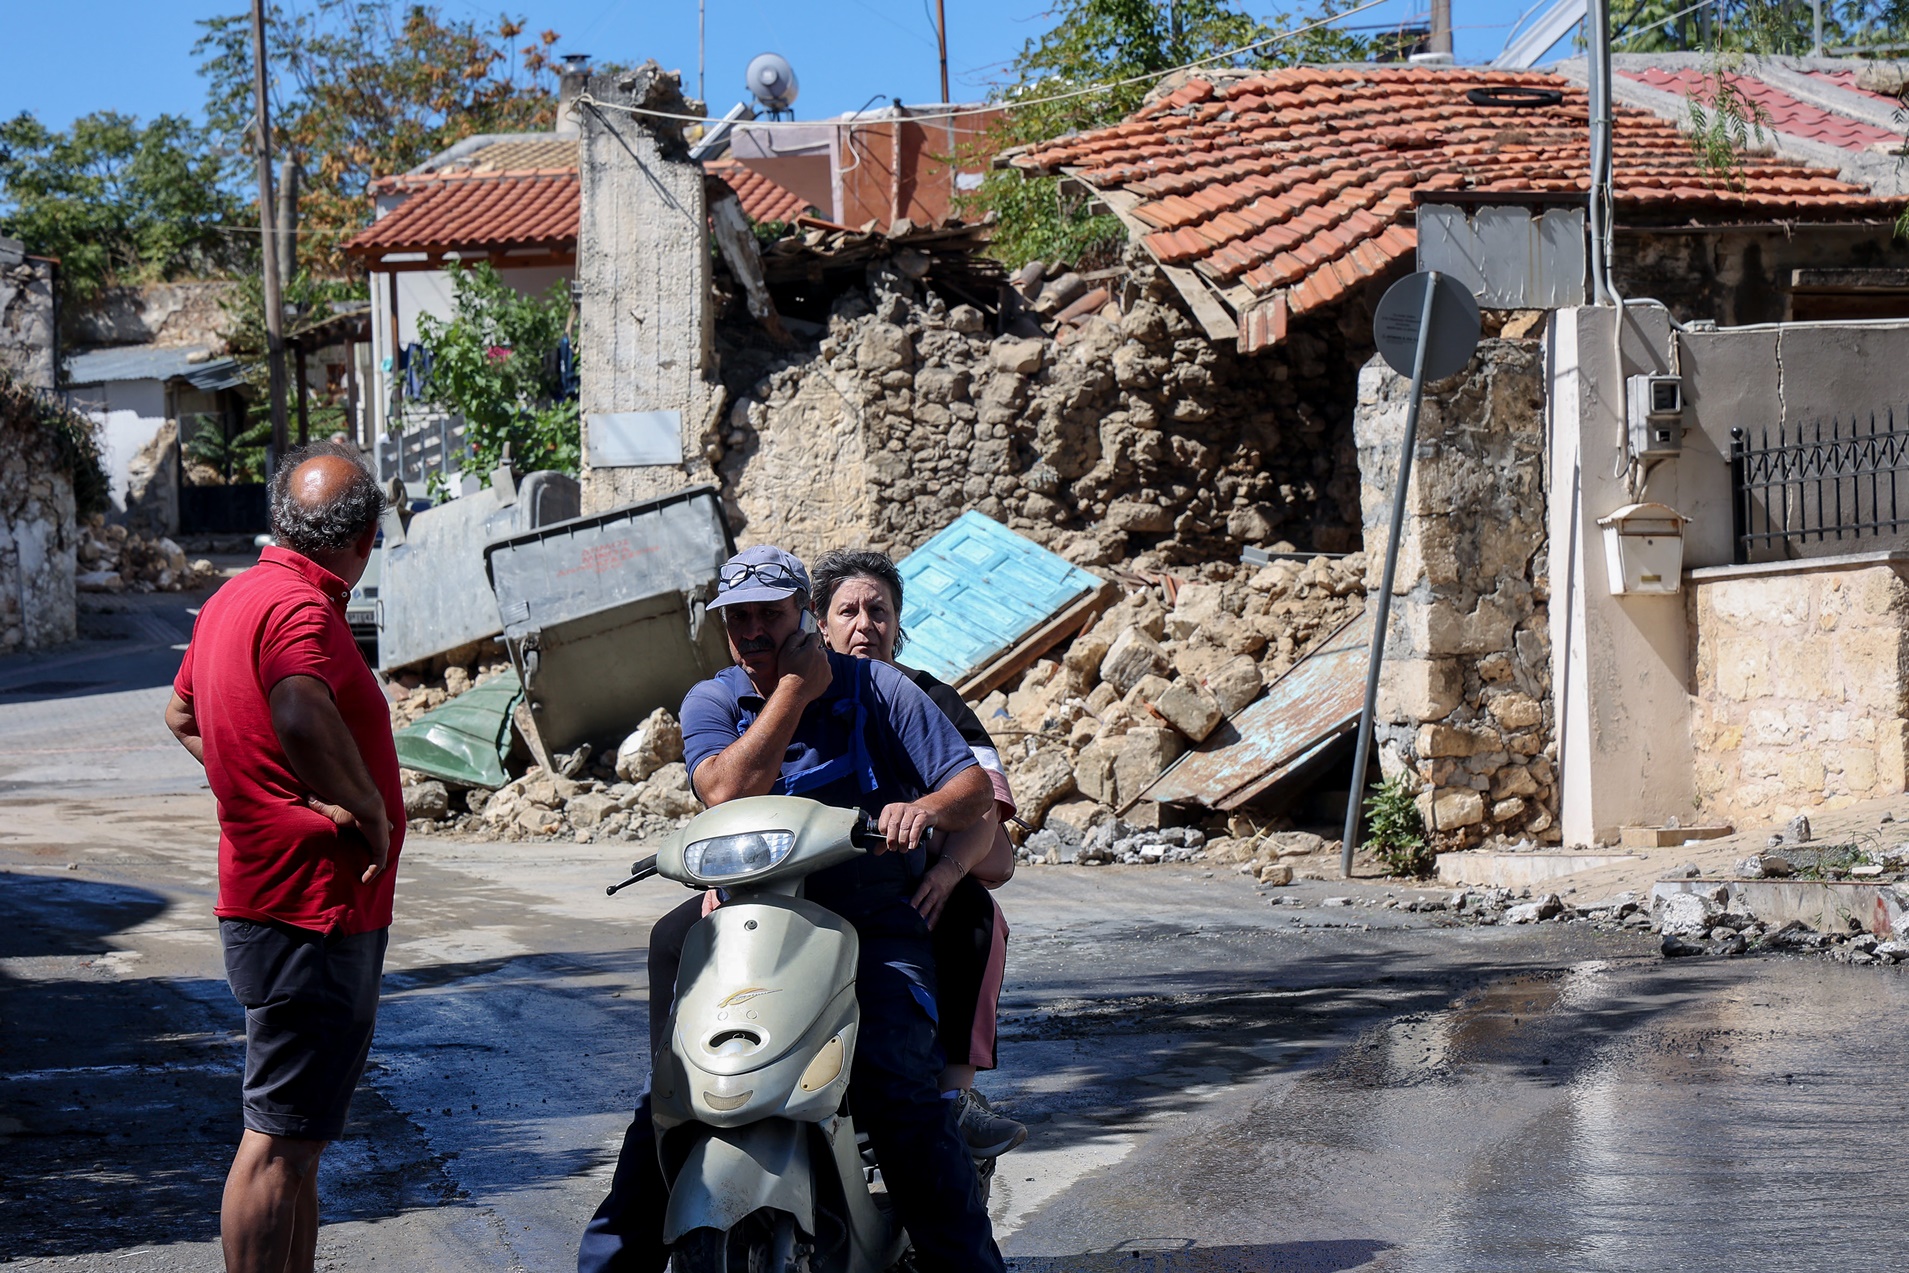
x: 1214, y: 1082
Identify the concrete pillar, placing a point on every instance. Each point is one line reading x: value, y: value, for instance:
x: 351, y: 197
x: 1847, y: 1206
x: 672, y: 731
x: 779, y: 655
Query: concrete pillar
x: 650, y: 398
x: 1623, y: 665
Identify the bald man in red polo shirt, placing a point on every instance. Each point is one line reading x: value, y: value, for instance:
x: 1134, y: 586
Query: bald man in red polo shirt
x: 275, y: 701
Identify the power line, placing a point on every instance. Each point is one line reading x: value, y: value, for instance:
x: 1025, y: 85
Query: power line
x: 929, y: 116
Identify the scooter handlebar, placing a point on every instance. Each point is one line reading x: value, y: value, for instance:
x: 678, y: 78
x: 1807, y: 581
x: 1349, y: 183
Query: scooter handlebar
x: 867, y: 833
x: 640, y: 870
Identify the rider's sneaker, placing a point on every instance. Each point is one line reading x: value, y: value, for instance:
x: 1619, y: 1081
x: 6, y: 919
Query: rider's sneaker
x: 987, y: 1133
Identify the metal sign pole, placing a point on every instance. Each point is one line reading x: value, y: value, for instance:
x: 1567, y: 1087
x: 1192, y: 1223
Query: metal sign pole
x: 1380, y: 619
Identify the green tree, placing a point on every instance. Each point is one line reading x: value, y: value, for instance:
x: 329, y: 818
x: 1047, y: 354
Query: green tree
x: 118, y: 201
x: 1093, y: 67
x: 362, y: 89
x: 494, y: 363
x: 1756, y: 26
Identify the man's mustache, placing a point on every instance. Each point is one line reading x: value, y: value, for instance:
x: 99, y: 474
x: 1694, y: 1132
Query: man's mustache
x: 754, y: 645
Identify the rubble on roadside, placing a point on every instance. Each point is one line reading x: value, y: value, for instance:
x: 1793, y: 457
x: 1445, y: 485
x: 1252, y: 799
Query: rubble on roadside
x: 640, y: 791
x: 114, y: 558
x: 413, y: 693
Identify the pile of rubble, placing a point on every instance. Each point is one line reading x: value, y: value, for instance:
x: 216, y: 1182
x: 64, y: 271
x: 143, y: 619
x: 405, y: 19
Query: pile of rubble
x: 641, y: 791
x: 113, y: 558
x: 415, y: 693
x: 1086, y: 731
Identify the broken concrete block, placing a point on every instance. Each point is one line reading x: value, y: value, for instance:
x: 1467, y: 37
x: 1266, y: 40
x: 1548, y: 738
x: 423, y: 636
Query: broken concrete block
x: 656, y: 742
x: 1235, y: 685
x: 1146, y: 690
x: 885, y: 347
x: 1277, y: 873
x: 1188, y: 709
x: 1132, y: 655
x: 667, y: 794
x: 427, y: 800
x: 1094, y: 770
x: 1039, y: 782
x: 1022, y: 357
x: 1083, y: 659
x: 1144, y: 753
x: 590, y: 808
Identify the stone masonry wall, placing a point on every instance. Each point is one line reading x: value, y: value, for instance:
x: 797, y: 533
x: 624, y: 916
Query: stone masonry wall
x: 1465, y: 694
x: 1801, y: 690
x: 27, y: 345
x: 1134, y: 439
x: 38, y: 537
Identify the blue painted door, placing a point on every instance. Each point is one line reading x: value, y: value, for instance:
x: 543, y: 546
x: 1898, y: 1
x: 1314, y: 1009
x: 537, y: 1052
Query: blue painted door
x: 976, y: 589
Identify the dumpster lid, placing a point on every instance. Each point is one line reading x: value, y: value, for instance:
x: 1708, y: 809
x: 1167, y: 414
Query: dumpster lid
x: 466, y: 740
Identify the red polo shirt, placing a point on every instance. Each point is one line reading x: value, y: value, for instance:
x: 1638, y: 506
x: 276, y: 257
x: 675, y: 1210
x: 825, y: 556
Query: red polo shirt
x: 279, y: 859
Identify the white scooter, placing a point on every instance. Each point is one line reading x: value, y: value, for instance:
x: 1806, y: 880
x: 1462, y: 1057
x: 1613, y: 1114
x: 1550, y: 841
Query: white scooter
x: 766, y: 1174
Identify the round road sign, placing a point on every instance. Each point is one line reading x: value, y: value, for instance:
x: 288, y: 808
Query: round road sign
x: 1453, y: 331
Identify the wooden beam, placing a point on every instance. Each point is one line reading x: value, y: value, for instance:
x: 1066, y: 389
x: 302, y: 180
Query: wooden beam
x: 1214, y: 317
x: 1022, y: 653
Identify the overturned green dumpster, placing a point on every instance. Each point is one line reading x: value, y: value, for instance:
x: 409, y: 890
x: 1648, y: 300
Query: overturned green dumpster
x: 467, y: 740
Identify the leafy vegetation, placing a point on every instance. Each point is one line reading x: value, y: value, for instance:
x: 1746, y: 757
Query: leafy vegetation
x: 73, y: 436
x: 495, y: 364
x: 1093, y: 67
x: 1395, y: 833
x: 362, y: 89
x: 241, y: 456
x: 118, y: 201
x: 1766, y: 26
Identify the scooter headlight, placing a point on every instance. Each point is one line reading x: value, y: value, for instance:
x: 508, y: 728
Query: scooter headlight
x: 727, y: 856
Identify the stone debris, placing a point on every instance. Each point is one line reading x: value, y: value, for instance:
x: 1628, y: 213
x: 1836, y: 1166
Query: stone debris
x: 113, y: 558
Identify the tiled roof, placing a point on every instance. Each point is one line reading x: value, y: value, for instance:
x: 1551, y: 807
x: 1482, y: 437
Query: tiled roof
x: 1289, y: 189
x: 484, y: 201
x: 520, y: 154
x: 762, y: 199
x: 1786, y: 114
x: 462, y: 211
x: 1846, y: 80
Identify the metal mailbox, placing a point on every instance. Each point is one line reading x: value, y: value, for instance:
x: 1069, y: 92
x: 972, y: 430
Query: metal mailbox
x: 604, y: 615
x: 1644, y: 549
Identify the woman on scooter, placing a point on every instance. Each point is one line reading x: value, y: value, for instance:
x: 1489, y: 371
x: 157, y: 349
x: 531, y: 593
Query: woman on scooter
x: 858, y: 599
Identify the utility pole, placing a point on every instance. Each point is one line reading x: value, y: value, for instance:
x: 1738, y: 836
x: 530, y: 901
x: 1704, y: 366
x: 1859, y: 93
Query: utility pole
x: 287, y: 223
x: 1441, y: 41
x: 1816, y: 22
x: 268, y: 240
x: 701, y: 92
x: 941, y: 39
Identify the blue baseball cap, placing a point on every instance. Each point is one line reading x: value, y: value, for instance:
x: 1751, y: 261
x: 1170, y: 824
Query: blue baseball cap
x: 762, y: 573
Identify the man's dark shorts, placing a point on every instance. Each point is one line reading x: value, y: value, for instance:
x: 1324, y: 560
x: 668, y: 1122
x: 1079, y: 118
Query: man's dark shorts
x: 310, y: 1004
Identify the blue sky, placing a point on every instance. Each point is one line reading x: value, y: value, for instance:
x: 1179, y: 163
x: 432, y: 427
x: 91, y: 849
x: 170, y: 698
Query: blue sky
x: 135, y: 56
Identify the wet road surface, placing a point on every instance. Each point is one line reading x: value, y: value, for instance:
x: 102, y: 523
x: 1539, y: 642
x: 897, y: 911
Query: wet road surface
x: 1213, y: 1082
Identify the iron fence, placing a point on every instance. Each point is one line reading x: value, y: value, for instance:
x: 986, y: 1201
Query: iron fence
x: 1814, y: 485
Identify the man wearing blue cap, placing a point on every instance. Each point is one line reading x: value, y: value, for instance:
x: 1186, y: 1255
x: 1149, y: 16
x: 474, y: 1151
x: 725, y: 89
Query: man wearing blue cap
x: 794, y: 718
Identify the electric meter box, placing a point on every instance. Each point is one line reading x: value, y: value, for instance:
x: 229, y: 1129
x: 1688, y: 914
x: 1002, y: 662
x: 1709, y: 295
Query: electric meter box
x: 1644, y: 549
x: 1654, y: 412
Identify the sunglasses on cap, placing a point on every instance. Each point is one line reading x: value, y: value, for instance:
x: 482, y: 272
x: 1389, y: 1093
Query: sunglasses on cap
x: 771, y: 574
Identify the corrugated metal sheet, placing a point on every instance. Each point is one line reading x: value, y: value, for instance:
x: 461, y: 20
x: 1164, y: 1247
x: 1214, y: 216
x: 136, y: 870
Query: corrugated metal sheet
x: 147, y: 362
x: 975, y: 590
x: 1316, y: 701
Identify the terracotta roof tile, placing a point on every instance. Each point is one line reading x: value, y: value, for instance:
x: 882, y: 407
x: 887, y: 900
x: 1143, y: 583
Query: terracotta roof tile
x: 1306, y: 178
x: 1786, y: 114
x: 476, y: 206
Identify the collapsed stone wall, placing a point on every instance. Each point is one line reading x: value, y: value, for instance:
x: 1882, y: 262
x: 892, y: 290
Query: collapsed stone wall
x: 1132, y: 439
x: 1800, y: 698
x: 1465, y: 704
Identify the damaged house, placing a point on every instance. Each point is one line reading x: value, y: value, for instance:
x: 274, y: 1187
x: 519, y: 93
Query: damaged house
x: 1201, y: 424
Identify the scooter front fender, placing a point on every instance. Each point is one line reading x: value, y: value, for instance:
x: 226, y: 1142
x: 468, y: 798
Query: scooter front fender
x: 733, y: 1171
